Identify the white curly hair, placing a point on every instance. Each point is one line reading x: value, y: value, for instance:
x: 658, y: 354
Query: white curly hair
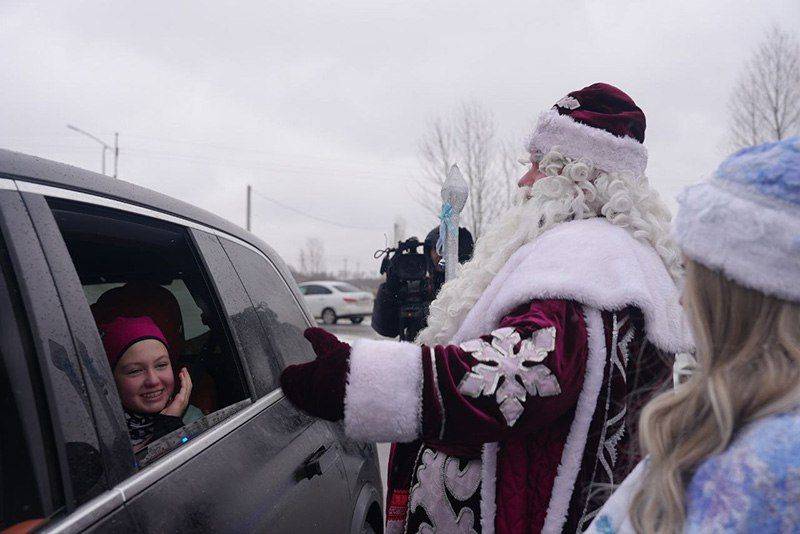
x: 572, y: 189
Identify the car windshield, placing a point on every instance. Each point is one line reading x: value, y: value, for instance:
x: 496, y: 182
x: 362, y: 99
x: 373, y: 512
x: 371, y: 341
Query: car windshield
x: 346, y: 288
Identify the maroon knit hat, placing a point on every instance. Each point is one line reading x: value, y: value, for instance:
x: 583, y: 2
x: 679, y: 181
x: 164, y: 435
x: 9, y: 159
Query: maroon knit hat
x: 122, y: 332
x: 600, y: 124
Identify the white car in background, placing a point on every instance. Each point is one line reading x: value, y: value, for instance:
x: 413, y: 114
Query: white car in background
x: 330, y: 301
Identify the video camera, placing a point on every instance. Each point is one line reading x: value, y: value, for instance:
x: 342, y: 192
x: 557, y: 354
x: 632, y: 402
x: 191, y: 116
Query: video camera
x: 412, y: 282
x: 401, y: 307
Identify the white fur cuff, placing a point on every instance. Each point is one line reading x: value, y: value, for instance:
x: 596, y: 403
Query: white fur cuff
x: 383, y: 400
x: 603, y: 149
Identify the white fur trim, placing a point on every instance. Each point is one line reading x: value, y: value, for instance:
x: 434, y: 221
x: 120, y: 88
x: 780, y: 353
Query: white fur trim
x: 749, y: 238
x: 571, y: 457
x: 593, y: 262
x: 617, y: 506
x: 576, y: 140
x: 383, y: 399
x: 488, y: 487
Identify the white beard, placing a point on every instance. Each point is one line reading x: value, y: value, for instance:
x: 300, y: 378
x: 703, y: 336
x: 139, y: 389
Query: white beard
x: 572, y: 190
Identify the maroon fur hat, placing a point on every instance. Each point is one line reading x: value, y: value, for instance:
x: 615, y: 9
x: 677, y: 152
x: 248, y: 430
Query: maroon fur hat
x: 599, y: 124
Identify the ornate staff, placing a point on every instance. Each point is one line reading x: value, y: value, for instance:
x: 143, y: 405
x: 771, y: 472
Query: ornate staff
x: 454, y: 198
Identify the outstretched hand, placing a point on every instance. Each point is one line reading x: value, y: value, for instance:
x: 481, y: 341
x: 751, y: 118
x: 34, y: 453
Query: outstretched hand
x: 318, y: 387
x: 324, y: 343
x: 177, y: 406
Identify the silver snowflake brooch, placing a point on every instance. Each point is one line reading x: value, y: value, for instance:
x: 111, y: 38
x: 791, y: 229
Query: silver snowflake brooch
x: 520, y: 370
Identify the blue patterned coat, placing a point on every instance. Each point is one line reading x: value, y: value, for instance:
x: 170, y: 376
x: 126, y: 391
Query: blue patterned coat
x: 754, y: 486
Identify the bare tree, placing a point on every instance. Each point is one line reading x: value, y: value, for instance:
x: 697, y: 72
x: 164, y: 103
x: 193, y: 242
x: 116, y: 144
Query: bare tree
x: 312, y: 256
x: 765, y: 104
x: 468, y: 138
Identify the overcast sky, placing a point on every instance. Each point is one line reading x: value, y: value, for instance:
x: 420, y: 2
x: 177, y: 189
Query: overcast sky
x: 320, y: 105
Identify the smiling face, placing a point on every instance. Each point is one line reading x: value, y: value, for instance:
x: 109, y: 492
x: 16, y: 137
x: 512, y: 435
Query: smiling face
x: 144, y: 377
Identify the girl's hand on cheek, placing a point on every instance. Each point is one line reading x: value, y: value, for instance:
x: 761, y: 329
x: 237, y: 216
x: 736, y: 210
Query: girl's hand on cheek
x: 177, y: 406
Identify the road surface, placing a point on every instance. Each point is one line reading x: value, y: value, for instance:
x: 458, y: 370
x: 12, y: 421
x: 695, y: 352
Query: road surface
x: 346, y: 331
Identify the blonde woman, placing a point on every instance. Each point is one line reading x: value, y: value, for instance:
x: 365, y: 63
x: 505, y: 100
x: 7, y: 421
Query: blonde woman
x: 724, y: 448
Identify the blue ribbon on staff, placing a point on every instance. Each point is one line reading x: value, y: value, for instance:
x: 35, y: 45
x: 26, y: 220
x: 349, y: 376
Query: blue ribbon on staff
x: 447, y: 223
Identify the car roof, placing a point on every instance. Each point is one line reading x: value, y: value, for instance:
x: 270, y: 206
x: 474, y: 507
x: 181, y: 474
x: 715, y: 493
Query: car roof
x: 18, y: 166
x: 324, y: 282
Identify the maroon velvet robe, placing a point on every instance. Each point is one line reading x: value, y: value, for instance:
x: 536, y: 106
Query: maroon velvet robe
x: 531, y: 449
x: 523, y: 438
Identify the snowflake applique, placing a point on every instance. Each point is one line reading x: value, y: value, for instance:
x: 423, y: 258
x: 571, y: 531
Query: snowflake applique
x: 568, y: 102
x: 520, y: 376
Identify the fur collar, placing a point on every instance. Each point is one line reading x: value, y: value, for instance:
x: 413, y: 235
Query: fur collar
x: 592, y: 262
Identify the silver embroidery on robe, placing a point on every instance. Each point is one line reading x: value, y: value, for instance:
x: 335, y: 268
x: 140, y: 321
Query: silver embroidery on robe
x: 614, y: 429
x: 435, y: 472
x: 499, y: 360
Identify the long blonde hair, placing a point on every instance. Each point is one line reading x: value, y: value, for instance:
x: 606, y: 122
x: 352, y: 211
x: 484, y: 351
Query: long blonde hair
x: 748, y: 359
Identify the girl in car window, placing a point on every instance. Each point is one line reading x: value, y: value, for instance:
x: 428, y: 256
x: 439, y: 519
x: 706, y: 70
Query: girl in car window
x: 141, y: 362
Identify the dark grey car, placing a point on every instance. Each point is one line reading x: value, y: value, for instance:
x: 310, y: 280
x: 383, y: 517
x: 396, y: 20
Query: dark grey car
x: 250, y: 462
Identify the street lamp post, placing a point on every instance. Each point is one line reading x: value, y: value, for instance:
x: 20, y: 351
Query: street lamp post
x: 104, y: 145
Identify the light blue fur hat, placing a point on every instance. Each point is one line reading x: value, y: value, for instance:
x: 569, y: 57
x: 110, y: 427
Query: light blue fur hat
x: 745, y: 221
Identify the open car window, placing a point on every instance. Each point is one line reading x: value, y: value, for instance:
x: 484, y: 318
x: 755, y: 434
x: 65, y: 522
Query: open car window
x: 132, y: 266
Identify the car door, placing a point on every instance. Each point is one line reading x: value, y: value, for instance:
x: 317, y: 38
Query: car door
x: 332, y: 299
x: 53, y: 390
x: 249, y: 465
x: 302, y: 452
x: 283, y: 323
x: 327, y: 299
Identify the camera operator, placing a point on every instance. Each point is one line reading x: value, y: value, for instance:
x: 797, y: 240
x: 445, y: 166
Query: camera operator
x: 412, y: 282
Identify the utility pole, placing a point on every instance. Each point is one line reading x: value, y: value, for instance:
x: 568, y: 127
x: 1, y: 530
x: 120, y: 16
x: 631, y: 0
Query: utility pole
x: 249, y: 202
x: 345, y: 269
x: 399, y: 228
x: 116, y: 152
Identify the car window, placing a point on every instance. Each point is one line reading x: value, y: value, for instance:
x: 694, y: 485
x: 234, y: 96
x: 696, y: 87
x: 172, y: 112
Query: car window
x: 346, y: 288
x: 303, y: 290
x: 279, y: 313
x: 148, y: 293
x: 317, y: 290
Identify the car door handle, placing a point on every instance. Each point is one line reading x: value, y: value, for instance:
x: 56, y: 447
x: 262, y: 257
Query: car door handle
x: 317, y: 463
